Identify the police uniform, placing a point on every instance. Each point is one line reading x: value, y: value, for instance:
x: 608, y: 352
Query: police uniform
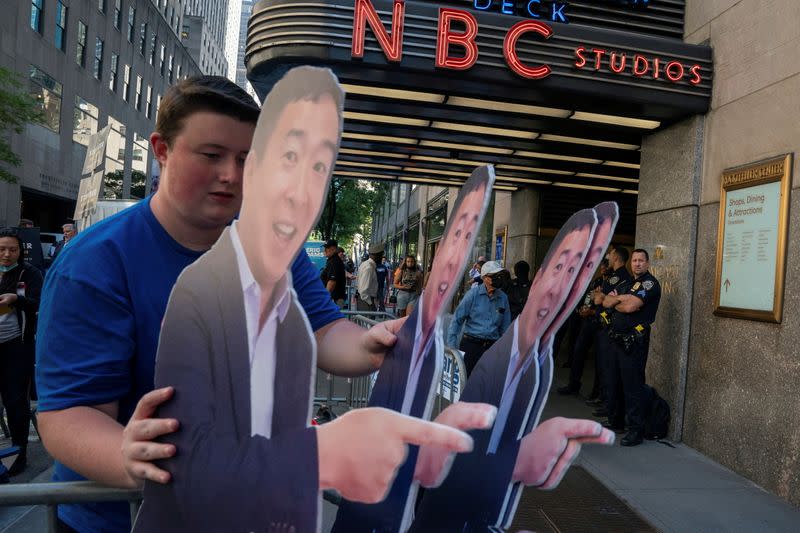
x: 584, y: 340
x: 629, y: 340
x: 617, y: 279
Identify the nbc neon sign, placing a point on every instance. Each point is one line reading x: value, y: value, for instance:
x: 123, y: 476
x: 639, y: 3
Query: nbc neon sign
x: 464, y: 41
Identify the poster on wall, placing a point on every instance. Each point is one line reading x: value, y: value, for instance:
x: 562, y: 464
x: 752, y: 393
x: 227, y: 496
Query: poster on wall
x: 500, y: 237
x: 751, y: 243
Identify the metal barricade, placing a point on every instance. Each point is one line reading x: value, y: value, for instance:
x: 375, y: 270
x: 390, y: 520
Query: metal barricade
x: 53, y: 494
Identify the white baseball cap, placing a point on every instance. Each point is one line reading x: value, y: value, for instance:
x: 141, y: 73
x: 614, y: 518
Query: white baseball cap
x: 490, y: 267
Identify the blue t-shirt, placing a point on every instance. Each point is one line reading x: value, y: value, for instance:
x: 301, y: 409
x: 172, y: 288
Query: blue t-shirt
x: 99, y: 319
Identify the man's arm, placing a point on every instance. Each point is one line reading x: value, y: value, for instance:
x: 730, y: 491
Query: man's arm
x: 458, y: 320
x: 347, y: 349
x: 628, y: 303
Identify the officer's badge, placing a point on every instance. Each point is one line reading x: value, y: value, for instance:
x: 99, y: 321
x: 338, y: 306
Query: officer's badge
x: 648, y: 285
x: 614, y: 280
x: 636, y: 286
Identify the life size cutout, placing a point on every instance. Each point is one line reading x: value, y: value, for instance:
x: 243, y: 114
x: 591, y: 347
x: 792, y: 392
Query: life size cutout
x: 237, y: 346
x: 407, y: 380
x: 477, y: 490
x: 607, y: 217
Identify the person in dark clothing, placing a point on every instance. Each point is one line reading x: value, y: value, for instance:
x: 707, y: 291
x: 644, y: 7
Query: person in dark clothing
x: 635, y: 303
x: 333, y: 276
x: 586, y: 336
x: 519, y: 288
x: 618, y: 258
x: 382, y: 271
x: 20, y: 289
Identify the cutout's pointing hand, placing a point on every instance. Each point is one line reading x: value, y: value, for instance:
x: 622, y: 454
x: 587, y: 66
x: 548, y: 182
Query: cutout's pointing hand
x: 546, y: 453
x: 360, y: 452
x: 433, y: 462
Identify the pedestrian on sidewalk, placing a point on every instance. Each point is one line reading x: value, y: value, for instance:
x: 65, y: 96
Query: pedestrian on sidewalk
x: 382, y: 272
x: 408, y: 282
x: 368, y: 280
x: 635, y: 304
x: 484, y: 314
x: 20, y: 290
x: 519, y: 288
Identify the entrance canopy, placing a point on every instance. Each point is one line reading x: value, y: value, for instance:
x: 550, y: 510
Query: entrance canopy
x: 433, y: 90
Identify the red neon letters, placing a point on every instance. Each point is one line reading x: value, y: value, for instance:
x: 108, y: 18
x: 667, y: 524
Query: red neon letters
x: 363, y: 10
x: 510, y: 48
x: 640, y: 65
x: 446, y: 36
x: 392, y: 43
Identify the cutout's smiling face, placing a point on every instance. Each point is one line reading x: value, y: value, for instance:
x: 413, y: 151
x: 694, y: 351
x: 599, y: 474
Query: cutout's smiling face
x: 450, y: 258
x: 285, y: 181
x: 553, y: 282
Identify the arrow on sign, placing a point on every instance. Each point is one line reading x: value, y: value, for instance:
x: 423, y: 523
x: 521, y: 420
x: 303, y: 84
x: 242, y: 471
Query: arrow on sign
x: 727, y: 284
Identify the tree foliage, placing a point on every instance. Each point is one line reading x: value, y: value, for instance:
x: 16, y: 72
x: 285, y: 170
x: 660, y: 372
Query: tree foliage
x: 348, y: 209
x: 17, y: 108
x: 112, y: 185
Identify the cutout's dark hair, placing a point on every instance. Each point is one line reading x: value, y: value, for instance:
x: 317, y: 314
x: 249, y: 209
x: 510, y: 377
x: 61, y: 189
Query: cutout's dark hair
x: 300, y: 83
x: 581, y: 219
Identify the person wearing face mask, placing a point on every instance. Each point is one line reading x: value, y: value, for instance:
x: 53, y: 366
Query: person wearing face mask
x: 485, y: 315
x: 20, y: 289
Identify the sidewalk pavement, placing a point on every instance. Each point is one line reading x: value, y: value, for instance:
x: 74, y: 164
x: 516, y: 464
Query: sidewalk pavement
x: 674, y: 487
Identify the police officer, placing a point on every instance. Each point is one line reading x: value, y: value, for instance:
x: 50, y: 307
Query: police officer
x: 635, y: 305
x: 586, y: 336
x: 617, y: 259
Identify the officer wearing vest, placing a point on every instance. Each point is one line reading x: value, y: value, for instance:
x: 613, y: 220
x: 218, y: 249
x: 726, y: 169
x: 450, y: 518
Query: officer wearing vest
x: 635, y: 304
x: 617, y: 259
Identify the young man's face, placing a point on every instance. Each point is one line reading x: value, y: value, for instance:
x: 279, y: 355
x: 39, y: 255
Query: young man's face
x: 450, y: 256
x: 201, y: 178
x: 552, y: 283
x: 285, y: 181
x: 639, y: 264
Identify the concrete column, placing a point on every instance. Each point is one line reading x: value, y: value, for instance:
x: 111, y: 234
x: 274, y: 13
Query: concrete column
x: 666, y: 226
x: 523, y: 227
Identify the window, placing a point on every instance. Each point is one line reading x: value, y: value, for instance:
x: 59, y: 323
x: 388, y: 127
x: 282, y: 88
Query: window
x: 112, y: 75
x: 143, y: 39
x: 131, y: 22
x: 185, y: 32
x: 80, y: 55
x: 37, y: 7
x: 84, y: 122
x: 178, y: 75
x: 137, y: 103
x: 101, y: 6
x: 153, y: 41
x: 61, y: 26
x: 149, y: 102
x: 139, y: 166
x: 117, y: 13
x: 161, y: 59
x: 126, y: 83
x: 115, y: 159
x: 158, y: 103
x: 171, y: 66
x: 98, y: 58
x: 47, y: 93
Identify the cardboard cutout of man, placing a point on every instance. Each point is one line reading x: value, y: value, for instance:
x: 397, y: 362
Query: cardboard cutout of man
x: 407, y: 379
x: 236, y: 344
x: 607, y: 216
x: 476, y: 490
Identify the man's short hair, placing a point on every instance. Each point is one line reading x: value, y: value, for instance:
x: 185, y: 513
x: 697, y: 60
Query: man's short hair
x: 69, y: 225
x: 300, y: 83
x: 578, y: 221
x: 623, y: 253
x: 642, y: 251
x: 202, y: 93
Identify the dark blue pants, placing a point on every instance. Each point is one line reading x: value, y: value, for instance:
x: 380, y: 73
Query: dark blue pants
x: 584, y: 341
x: 628, y: 390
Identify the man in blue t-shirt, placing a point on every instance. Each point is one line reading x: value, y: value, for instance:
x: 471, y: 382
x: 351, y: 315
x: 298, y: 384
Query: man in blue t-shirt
x: 106, y: 294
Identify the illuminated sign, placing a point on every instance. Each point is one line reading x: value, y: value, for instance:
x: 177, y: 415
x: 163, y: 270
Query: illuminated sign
x: 457, y: 46
x: 639, y: 65
x: 538, y: 9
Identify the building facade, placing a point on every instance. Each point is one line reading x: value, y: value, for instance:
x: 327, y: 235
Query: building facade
x: 644, y: 103
x: 89, y: 64
x: 203, y: 34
